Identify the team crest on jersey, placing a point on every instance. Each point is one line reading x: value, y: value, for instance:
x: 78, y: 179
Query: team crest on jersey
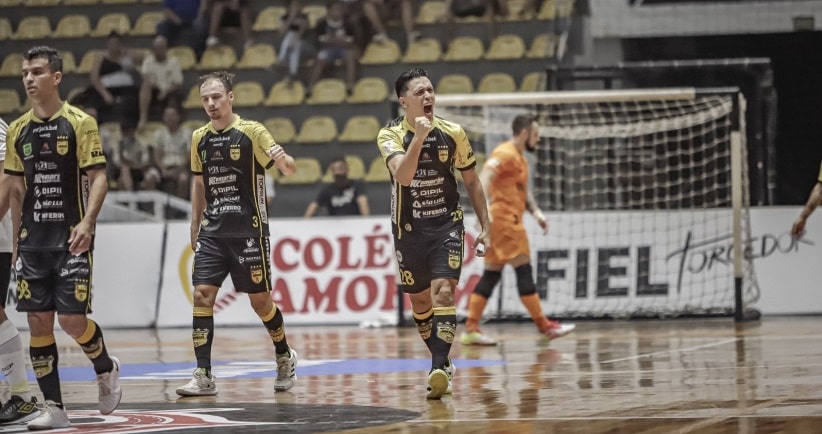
x: 454, y: 261
x: 234, y: 152
x: 442, y: 152
x: 81, y: 290
x: 27, y: 149
x: 62, y: 145
x: 256, y: 275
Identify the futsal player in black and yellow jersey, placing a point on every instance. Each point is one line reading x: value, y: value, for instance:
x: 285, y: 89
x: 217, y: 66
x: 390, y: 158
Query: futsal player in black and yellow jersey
x: 57, y: 176
x: 229, y: 226
x: 814, y: 200
x: 421, y: 152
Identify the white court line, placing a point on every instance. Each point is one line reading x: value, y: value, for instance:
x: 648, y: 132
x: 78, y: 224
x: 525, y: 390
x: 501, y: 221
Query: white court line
x: 676, y: 350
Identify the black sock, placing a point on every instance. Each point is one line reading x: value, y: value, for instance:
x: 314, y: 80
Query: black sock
x: 44, y: 359
x: 275, y: 325
x: 202, y: 335
x: 444, y: 327
x: 95, y: 348
x: 424, y: 321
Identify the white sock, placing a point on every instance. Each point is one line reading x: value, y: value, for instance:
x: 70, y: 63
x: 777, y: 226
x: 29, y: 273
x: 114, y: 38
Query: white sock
x: 12, y: 360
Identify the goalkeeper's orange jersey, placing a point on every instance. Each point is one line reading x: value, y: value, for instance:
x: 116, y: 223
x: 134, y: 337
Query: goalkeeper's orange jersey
x: 508, y: 188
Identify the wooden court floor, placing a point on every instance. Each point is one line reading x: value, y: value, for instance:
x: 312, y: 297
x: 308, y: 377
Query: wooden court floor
x: 677, y: 376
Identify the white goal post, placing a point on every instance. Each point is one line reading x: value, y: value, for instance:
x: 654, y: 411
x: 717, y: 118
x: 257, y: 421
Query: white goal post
x: 646, y: 191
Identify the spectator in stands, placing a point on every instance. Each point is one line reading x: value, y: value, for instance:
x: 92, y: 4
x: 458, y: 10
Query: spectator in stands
x: 162, y: 80
x: 335, y: 37
x: 344, y: 196
x: 292, y: 31
x: 172, y: 153
x: 185, y: 15
x: 137, y: 171
x: 114, y: 79
x: 489, y: 9
x: 379, y: 11
x: 230, y: 13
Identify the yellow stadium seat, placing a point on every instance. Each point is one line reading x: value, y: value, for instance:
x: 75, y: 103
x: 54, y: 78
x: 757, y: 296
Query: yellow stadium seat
x: 378, y: 171
x: 146, y: 134
x: 9, y: 3
x: 328, y: 91
x: 33, y: 27
x: 116, y: 1
x: 218, y: 57
x: 423, y: 50
x: 80, y: 2
x: 386, y: 51
x: 87, y: 62
x: 185, y: 56
x: 282, y: 129
x: 356, y: 169
x: 6, y: 31
x: 285, y: 92
x: 533, y: 82
x: 9, y: 101
x: 548, y: 10
x: 193, y: 98
x: 73, y: 26
x: 506, y: 47
x: 258, y: 56
x: 314, y: 12
x: 42, y: 2
x: 464, y: 48
x: 455, y: 83
x: 112, y: 22
x: 430, y: 12
x: 146, y: 24
x: 308, y: 172
x: 369, y: 90
x: 565, y: 8
x: 360, y: 129
x: 69, y: 63
x: 269, y: 19
x: 248, y: 94
x: 543, y: 46
x: 193, y: 124
x: 497, y: 82
x: 74, y: 92
x: 317, y: 129
x: 517, y: 10
x: 12, y: 65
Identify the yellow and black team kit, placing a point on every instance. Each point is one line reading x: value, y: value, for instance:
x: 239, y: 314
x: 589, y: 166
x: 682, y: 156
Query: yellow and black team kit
x: 234, y: 229
x: 426, y: 215
x: 53, y: 156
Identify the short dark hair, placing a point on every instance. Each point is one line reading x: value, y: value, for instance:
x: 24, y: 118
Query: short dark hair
x: 401, y: 85
x: 522, y: 122
x: 224, y: 77
x: 43, y: 52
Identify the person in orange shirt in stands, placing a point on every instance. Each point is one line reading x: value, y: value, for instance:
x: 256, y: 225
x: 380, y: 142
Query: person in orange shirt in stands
x: 505, y: 178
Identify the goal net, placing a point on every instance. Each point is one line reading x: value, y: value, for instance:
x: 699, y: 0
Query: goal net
x: 646, y: 195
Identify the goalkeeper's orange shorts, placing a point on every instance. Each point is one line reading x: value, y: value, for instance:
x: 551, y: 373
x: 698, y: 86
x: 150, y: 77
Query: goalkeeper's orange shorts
x: 508, y: 239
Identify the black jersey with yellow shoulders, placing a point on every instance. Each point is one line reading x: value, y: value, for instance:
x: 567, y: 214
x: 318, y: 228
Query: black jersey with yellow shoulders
x: 233, y: 163
x: 431, y: 202
x: 53, y: 155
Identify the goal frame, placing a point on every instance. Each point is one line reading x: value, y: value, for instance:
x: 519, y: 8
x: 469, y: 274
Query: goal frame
x: 739, y: 198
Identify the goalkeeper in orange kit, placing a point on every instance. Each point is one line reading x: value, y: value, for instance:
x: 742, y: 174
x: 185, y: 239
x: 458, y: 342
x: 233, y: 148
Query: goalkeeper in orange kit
x: 505, y: 178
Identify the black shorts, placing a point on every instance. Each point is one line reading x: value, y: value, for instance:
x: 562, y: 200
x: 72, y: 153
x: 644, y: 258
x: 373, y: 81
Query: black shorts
x: 424, y: 257
x: 53, y: 280
x: 247, y: 260
x: 5, y: 276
